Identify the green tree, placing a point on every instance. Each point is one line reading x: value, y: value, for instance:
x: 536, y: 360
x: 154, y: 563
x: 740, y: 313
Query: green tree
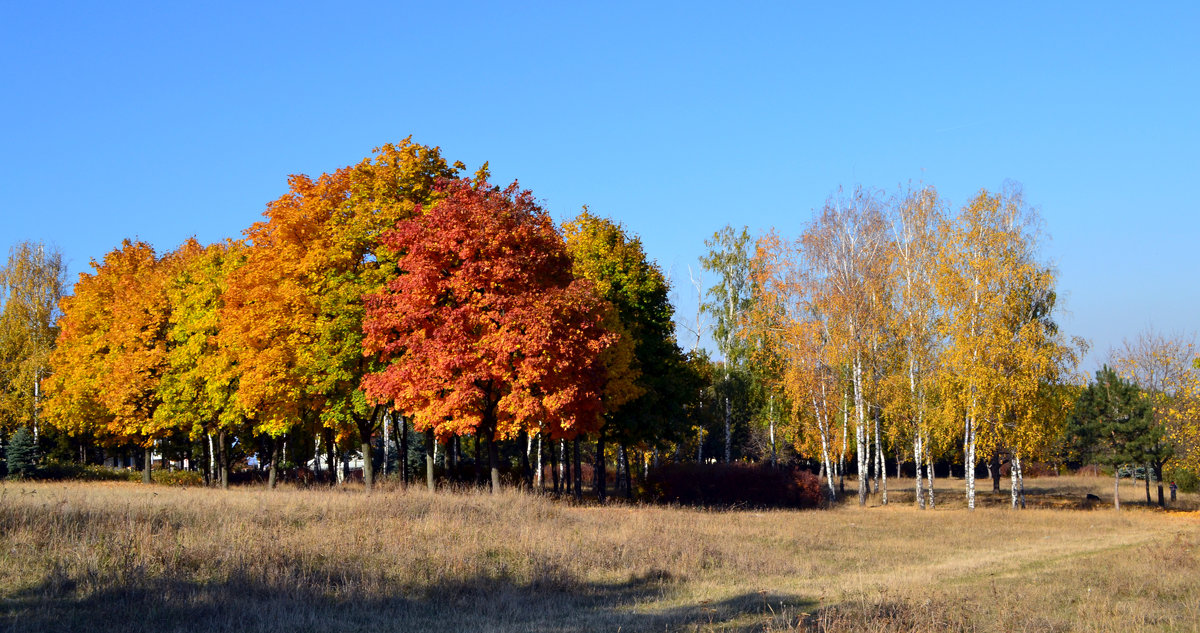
x: 647, y: 402
x: 21, y: 455
x: 729, y: 257
x: 1112, y: 424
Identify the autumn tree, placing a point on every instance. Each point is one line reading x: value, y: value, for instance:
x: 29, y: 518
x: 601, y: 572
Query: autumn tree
x: 983, y: 253
x: 199, y: 387
x: 645, y: 392
x: 729, y: 258
x: 915, y: 220
x: 295, y: 308
x: 844, y: 246
x: 31, y: 286
x: 484, y: 329
x: 1163, y: 366
x: 112, y: 351
x: 766, y: 323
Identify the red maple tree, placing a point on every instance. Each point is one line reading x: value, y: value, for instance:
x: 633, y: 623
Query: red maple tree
x: 484, y: 329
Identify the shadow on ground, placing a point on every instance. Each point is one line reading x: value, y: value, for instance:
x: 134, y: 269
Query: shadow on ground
x: 477, y: 605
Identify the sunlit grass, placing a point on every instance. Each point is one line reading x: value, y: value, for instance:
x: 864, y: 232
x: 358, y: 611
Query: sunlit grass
x: 124, y: 557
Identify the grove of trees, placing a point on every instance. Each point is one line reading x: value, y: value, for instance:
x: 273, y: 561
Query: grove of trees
x: 399, y: 312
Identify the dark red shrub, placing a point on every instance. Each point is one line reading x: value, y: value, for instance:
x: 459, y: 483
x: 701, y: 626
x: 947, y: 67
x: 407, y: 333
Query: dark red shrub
x: 733, y: 485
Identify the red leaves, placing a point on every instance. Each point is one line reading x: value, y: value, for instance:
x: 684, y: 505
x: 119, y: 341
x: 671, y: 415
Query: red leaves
x: 485, y: 328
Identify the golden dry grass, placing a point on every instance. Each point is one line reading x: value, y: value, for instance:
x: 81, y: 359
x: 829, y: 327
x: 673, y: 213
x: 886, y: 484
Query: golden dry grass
x: 126, y: 557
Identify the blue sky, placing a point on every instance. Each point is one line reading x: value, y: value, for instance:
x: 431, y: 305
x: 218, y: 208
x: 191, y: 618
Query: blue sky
x: 163, y: 121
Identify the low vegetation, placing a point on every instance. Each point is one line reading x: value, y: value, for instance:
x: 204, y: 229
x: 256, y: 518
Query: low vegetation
x: 116, y: 556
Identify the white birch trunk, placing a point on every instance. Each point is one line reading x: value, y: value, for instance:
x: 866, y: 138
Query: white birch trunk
x: 920, y: 497
x: 771, y: 418
x: 539, y: 461
x: 1116, y: 488
x: 1020, y: 483
x: 969, y: 462
x: 387, y: 453
x: 823, y: 426
x: 860, y: 434
x: 880, y: 464
x: 212, y: 459
x: 1013, y: 475
x: 928, y: 469
x: 845, y: 438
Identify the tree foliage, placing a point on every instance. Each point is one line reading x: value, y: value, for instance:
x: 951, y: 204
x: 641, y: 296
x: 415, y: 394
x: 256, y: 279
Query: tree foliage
x: 484, y: 329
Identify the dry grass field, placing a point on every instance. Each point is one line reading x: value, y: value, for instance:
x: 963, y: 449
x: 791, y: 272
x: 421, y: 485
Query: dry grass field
x: 126, y: 557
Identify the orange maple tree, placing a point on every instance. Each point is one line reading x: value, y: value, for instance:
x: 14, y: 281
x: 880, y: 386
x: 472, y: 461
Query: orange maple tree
x: 112, y: 350
x: 484, y: 329
x: 293, y: 312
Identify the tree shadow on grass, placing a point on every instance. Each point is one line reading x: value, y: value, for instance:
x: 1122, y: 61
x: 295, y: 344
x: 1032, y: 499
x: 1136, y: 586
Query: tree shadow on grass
x: 645, y: 603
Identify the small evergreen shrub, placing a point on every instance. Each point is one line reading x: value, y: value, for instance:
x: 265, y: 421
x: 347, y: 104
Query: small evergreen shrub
x: 21, y: 454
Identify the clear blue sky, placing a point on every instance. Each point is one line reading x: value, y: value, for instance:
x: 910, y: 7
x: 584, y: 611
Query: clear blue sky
x: 161, y: 121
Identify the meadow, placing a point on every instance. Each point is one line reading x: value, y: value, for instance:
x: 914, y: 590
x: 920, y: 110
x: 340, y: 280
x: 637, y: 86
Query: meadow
x: 118, y: 556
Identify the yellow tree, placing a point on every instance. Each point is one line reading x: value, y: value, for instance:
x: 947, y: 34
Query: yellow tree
x: 915, y: 220
x: 1001, y: 346
x: 790, y: 346
x: 31, y: 286
x: 766, y: 323
x: 112, y: 351
x: 844, y: 248
x: 295, y: 308
x: 1034, y: 361
x: 198, y: 388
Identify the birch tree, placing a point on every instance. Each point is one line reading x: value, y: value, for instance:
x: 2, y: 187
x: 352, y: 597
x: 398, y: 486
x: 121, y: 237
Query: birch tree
x: 914, y: 224
x: 844, y: 246
x: 31, y: 285
x: 729, y: 258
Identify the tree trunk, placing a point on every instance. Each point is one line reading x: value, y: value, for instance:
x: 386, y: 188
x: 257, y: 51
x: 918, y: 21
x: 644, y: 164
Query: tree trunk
x: 478, y: 460
x: 554, y: 463
x: 429, y: 442
x: 526, y: 468
x: 1116, y: 488
x: 1020, y: 481
x: 578, y: 471
x: 1013, y: 473
x: 1148, y: 501
x: 331, y: 456
x: 601, y: 477
x: 1158, y: 478
x: 147, y: 459
x: 929, y: 474
x: 629, y: 476
x: 366, y: 427
x: 403, y: 456
x: 728, y: 426
x: 223, y: 459
x: 860, y: 434
x: 880, y: 463
x: 771, y: 416
x: 969, y: 460
x: 540, y: 479
x: 274, y: 468
x: 493, y: 460
x: 212, y: 460
x: 994, y: 471
x: 919, y: 499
